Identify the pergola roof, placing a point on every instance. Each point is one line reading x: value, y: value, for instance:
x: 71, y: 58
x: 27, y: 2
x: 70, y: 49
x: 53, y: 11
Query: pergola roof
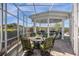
x: 54, y: 16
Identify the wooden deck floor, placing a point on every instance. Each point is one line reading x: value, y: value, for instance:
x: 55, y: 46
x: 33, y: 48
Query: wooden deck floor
x: 62, y: 48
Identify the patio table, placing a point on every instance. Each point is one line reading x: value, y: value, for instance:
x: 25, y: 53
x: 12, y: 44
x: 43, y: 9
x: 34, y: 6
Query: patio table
x: 37, y: 41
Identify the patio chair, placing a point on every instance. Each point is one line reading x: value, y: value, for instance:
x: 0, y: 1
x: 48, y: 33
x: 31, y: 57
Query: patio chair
x: 27, y: 46
x: 46, y: 46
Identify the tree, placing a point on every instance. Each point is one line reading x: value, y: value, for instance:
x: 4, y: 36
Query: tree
x: 57, y: 27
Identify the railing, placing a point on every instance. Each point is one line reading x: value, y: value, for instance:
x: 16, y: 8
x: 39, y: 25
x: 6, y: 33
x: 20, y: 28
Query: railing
x: 13, y: 45
x: 14, y: 48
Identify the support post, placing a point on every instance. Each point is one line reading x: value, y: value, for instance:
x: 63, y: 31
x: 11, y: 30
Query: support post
x: 75, y: 28
x: 26, y: 25
x: 34, y: 27
x: 5, y: 20
x: 62, y: 29
x: 23, y: 25
x: 48, y: 28
x: 71, y: 30
x: 40, y: 26
x: 1, y: 29
x: 18, y: 34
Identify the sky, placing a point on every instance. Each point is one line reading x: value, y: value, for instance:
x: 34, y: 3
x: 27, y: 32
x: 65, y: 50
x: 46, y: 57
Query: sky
x: 29, y: 10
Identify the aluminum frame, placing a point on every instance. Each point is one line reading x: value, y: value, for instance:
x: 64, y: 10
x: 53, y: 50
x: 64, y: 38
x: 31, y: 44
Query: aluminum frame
x: 1, y: 28
x: 5, y: 21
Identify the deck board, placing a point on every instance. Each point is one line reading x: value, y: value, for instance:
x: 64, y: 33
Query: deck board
x: 62, y: 48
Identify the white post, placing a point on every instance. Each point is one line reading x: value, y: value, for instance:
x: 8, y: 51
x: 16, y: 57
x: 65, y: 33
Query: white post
x: 71, y: 30
x: 75, y: 28
x: 18, y: 34
x: 26, y: 26
x: 23, y: 26
x: 1, y: 22
x: 48, y: 27
x: 62, y: 29
x: 5, y: 20
x: 40, y: 26
x: 34, y: 26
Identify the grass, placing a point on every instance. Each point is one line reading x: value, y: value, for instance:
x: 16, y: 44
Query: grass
x: 10, y: 29
x: 10, y: 33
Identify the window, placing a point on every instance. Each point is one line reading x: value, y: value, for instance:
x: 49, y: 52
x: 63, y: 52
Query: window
x: 11, y: 26
x: 11, y: 29
x: 12, y: 9
x: 21, y: 15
